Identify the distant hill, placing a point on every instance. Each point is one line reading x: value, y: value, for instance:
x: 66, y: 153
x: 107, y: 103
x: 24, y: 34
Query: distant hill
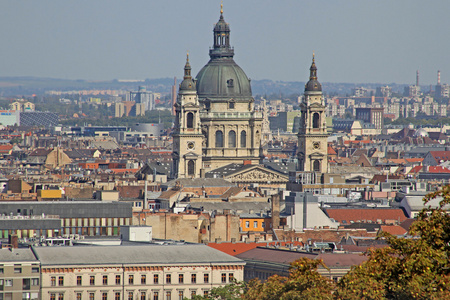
x: 26, y: 86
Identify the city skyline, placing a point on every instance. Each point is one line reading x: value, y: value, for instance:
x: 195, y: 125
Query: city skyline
x: 354, y: 41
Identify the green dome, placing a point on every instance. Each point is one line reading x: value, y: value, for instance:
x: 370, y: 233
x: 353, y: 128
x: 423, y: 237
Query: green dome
x: 223, y: 78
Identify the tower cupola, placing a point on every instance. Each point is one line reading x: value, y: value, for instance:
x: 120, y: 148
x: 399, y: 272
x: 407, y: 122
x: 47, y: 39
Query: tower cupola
x: 187, y: 84
x: 221, y: 37
x: 313, y: 84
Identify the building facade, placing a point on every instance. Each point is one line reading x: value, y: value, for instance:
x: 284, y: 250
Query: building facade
x: 134, y: 272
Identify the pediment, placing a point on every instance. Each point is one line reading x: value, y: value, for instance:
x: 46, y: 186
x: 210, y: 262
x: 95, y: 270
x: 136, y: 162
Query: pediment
x: 257, y: 174
x: 316, y: 154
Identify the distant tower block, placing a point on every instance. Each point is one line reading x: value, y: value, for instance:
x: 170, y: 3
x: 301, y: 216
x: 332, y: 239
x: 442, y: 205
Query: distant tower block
x: 439, y: 77
x: 417, y: 78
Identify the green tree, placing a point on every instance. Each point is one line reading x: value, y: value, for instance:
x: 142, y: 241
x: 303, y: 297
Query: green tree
x: 232, y: 291
x: 410, y: 268
x: 303, y: 282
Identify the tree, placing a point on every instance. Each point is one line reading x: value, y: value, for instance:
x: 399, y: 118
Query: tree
x: 232, y: 291
x: 410, y: 268
x: 303, y: 282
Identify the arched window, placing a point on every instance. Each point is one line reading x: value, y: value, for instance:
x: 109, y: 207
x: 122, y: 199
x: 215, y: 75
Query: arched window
x: 191, y: 168
x: 190, y: 120
x: 316, y: 120
x: 243, y: 139
x: 316, y: 166
x: 219, y: 139
x: 232, y: 139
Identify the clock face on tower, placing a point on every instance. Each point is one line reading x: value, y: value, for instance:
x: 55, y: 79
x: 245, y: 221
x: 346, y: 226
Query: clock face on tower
x: 190, y: 145
x: 316, y: 145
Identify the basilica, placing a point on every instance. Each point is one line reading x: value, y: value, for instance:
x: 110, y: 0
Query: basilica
x: 216, y: 124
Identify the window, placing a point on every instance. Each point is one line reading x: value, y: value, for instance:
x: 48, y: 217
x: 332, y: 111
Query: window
x: 231, y: 105
x: 205, y: 293
x: 117, y: 296
x: 247, y: 224
x: 255, y: 224
x: 117, y: 279
x: 316, y: 120
x: 61, y: 297
x: 190, y: 120
x: 230, y: 277
x: 243, y: 139
x: 232, y: 139
x: 61, y: 281
x: 224, y: 277
x: 143, y: 279
x: 193, y: 293
x: 316, y: 166
x: 35, y: 281
x: 92, y: 280
x: 180, y: 278
x: 78, y: 296
x: 130, y: 295
x: 17, y: 270
x: 191, y: 167
x: 91, y: 296
x: 3, y: 271
x: 206, y: 278
x: 193, y: 278
x: 142, y: 295
x: 53, y: 281
x: 34, y: 270
x: 26, y: 283
x: 263, y: 224
x: 52, y: 296
x: 155, y: 296
x: 168, y: 295
x: 156, y: 279
x: 230, y: 84
x: 168, y: 278
x: 219, y: 139
x: 104, y: 296
x: 180, y: 295
x: 8, y: 282
x: 131, y: 279
x: 25, y: 296
x: 79, y: 280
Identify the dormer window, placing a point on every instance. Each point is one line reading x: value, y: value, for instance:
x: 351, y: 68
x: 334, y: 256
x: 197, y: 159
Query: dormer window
x: 230, y: 83
x: 231, y: 105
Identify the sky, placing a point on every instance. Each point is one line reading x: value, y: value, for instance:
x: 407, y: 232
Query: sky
x: 377, y: 41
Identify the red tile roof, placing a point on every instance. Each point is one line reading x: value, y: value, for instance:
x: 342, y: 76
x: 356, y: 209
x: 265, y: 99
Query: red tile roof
x: 238, y: 248
x: 363, y: 215
x: 393, y: 229
x: 440, y: 155
x: 438, y: 169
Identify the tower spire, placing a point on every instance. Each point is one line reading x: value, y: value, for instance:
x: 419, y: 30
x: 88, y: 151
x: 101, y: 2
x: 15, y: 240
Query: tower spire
x: 313, y: 69
x: 187, y: 68
x: 221, y: 8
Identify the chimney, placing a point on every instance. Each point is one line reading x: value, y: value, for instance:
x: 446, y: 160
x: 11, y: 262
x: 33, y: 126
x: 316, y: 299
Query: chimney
x: 276, y: 210
x: 14, y: 241
x: 417, y: 78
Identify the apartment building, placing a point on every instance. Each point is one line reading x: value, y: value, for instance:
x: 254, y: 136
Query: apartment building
x: 19, y: 275
x: 134, y: 271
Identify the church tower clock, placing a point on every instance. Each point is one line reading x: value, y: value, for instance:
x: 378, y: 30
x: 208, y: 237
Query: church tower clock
x: 187, y: 137
x: 312, y: 135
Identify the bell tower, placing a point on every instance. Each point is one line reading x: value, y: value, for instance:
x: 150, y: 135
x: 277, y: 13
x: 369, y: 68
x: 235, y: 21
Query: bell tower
x: 187, y: 137
x: 312, y: 135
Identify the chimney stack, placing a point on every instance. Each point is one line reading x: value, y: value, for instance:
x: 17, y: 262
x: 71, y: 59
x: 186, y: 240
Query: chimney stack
x: 276, y: 211
x: 417, y: 78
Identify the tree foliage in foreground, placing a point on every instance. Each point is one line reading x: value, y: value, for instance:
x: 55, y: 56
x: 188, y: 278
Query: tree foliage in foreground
x: 409, y: 268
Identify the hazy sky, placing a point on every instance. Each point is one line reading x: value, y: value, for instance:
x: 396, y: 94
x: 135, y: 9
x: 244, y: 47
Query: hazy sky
x: 355, y: 41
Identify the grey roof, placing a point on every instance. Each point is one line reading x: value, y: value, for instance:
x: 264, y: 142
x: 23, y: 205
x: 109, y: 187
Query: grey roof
x: 239, y: 207
x: 17, y: 255
x: 416, y: 203
x: 69, y: 209
x: 199, y: 182
x: 142, y: 254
